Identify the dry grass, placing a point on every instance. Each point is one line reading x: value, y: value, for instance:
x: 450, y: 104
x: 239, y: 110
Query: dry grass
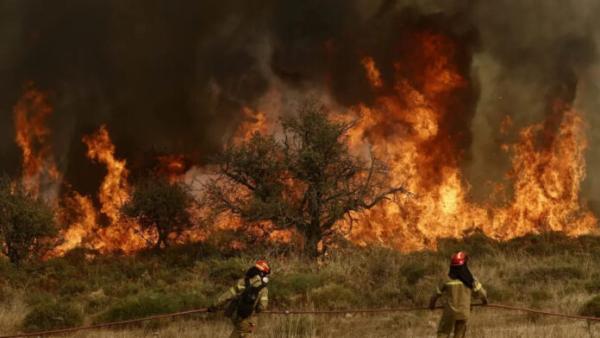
x: 12, y: 310
x: 551, y: 273
x: 485, y: 324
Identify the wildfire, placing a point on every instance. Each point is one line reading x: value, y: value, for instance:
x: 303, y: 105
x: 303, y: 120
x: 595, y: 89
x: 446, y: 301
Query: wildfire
x: 83, y: 224
x: 254, y: 122
x: 32, y: 135
x: 373, y: 73
x: 409, y: 130
x: 122, y: 233
x: 114, y: 191
x: 416, y: 126
x: 172, y: 166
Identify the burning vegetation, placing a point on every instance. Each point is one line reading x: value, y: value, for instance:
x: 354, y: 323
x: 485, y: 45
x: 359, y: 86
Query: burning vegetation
x: 411, y: 123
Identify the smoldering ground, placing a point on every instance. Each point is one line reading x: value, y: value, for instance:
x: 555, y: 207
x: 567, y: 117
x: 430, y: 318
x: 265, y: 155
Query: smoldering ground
x: 172, y: 76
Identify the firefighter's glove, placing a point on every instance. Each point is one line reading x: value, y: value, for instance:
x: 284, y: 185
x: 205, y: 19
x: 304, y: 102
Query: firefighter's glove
x: 212, y: 309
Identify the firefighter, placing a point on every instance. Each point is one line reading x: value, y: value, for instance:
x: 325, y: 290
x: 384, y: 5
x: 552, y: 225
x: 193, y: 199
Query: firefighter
x: 248, y: 297
x: 456, y: 291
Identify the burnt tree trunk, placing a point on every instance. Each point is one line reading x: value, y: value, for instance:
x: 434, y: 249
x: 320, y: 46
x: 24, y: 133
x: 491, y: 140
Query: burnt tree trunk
x: 312, y: 237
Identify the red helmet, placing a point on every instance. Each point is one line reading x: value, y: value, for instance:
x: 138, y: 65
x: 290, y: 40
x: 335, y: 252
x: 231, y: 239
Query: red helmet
x: 459, y: 258
x: 263, y: 266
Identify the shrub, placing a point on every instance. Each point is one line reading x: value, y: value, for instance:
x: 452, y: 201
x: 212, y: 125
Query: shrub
x: 72, y: 287
x: 283, y: 288
x: 50, y: 316
x: 161, y: 206
x: 304, y: 282
x: 380, y: 263
x: 27, y: 224
x: 226, y: 271
x: 141, y: 306
x: 591, y: 307
x: 413, y: 272
x: 334, y: 296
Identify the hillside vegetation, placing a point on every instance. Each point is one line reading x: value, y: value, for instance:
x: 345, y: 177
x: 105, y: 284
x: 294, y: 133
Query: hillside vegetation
x: 548, y: 271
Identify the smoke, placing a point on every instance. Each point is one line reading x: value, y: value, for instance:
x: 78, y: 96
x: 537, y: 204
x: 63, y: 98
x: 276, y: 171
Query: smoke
x: 173, y: 76
x: 533, y: 55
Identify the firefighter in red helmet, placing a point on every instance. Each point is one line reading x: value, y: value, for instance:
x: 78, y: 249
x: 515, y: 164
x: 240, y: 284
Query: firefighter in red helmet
x: 456, y: 291
x: 248, y: 297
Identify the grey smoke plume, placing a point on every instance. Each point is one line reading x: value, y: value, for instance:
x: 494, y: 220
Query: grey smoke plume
x: 172, y: 76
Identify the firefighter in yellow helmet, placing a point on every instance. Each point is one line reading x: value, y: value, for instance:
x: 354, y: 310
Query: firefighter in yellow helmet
x: 456, y: 291
x: 245, y: 299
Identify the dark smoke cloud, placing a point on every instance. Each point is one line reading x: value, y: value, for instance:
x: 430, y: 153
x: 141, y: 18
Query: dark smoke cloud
x: 172, y: 76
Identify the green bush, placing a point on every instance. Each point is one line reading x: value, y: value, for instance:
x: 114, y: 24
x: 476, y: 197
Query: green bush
x: 141, y: 306
x: 35, y: 297
x: 226, y: 271
x: 72, y: 287
x: 283, y: 288
x: 154, y: 303
x: 380, y: 263
x: 334, y: 296
x: 50, y: 316
x: 413, y: 272
x: 591, y: 307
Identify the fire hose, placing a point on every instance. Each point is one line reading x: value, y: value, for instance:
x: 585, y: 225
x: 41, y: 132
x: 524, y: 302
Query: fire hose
x: 291, y: 312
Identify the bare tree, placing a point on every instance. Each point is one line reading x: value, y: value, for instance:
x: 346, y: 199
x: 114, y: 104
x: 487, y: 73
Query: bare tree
x: 308, y: 180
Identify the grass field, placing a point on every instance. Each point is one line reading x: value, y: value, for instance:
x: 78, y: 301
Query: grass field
x: 548, y: 272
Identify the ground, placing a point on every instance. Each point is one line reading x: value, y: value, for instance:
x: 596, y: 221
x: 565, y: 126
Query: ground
x: 550, y: 272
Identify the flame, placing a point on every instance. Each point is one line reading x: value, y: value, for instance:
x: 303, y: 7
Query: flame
x: 115, y: 190
x: 172, y: 166
x: 372, y: 72
x: 414, y: 126
x: 83, y: 225
x: 121, y: 234
x: 254, y: 122
x: 410, y: 131
x: 31, y: 113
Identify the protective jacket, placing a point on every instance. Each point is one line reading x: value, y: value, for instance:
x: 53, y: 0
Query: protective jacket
x: 243, y: 300
x: 457, y: 297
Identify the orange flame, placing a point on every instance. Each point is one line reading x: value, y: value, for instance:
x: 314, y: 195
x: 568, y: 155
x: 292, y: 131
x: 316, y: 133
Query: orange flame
x: 122, y: 233
x: 32, y: 136
x: 254, y: 122
x: 82, y: 227
x: 172, y: 166
x: 372, y: 72
x: 114, y: 191
x: 409, y: 131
